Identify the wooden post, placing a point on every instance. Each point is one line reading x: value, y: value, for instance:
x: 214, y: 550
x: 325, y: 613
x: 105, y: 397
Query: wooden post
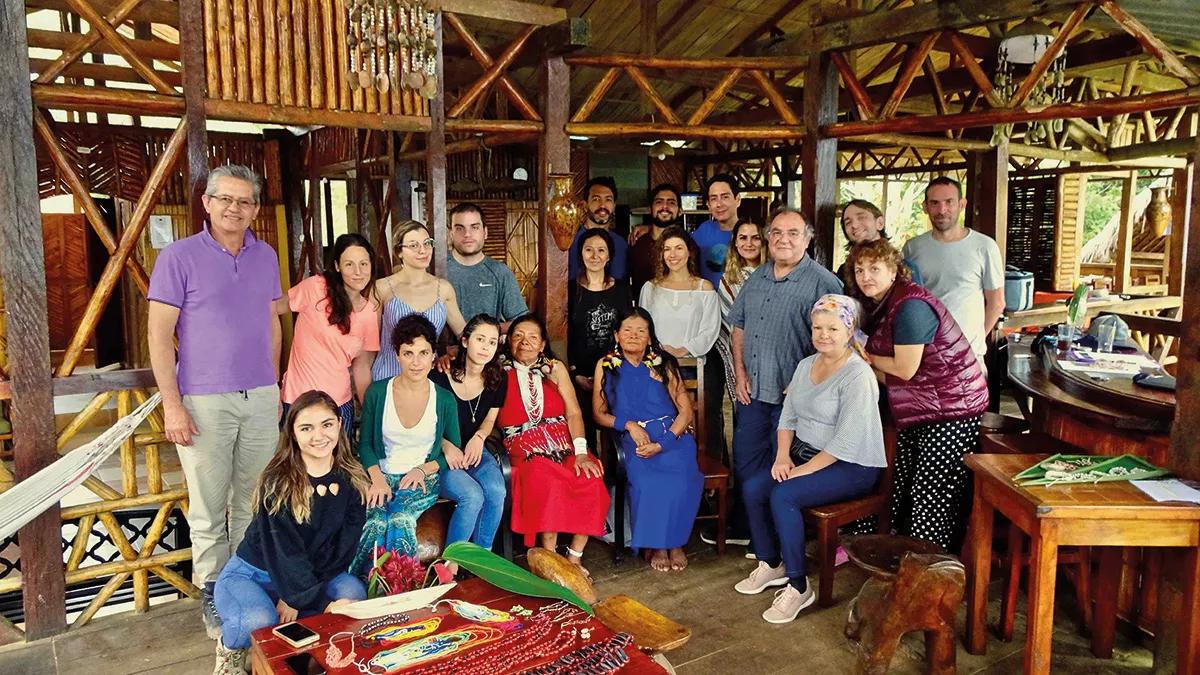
x: 435, y: 164
x: 554, y: 157
x: 23, y: 266
x: 818, y: 155
x: 1124, y: 252
x: 195, y: 90
x: 987, y: 194
x: 1181, y: 204
x: 1177, y: 593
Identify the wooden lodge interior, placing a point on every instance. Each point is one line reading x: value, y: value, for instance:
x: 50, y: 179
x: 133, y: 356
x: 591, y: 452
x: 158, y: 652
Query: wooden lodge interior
x: 118, y: 108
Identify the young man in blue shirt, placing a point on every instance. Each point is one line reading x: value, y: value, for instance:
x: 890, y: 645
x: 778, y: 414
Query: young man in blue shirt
x: 712, y: 236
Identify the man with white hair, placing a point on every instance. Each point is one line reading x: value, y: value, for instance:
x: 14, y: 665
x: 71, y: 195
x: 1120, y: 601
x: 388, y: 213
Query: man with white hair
x: 214, y: 291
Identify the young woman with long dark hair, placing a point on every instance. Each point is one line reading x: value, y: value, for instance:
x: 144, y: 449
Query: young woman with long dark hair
x: 307, y: 521
x: 474, y: 480
x: 337, y: 329
x: 684, y: 304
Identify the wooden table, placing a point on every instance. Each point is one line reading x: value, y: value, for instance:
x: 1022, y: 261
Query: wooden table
x: 1101, y: 515
x: 1107, y: 418
x: 269, y: 653
x: 1048, y: 313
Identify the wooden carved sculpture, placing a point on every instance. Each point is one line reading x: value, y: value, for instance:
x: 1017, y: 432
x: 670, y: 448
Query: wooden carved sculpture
x: 924, y: 595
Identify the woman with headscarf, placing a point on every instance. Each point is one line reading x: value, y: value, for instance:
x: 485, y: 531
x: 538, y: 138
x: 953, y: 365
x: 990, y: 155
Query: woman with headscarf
x: 830, y: 442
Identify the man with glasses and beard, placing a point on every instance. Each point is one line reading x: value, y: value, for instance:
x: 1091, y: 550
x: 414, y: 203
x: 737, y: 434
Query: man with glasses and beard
x: 664, y: 212
x: 601, y: 205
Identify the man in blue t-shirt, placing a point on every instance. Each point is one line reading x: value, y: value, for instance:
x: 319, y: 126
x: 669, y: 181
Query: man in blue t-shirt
x: 601, y: 205
x: 712, y: 236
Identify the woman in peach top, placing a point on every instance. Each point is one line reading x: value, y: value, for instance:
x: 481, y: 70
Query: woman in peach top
x: 337, y: 329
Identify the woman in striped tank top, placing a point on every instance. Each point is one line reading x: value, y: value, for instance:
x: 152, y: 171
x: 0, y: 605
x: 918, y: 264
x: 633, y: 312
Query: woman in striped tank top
x: 412, y: 290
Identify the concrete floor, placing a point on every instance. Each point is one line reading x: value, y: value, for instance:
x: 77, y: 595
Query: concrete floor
x: 727, y: 634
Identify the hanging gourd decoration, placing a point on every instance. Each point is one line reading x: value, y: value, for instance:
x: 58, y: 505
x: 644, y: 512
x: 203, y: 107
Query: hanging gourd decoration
x: 391, y: 44
x: 564, y: 213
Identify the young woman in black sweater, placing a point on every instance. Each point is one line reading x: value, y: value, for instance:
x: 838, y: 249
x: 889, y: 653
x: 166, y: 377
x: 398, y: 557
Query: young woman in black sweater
x: 309, y: 513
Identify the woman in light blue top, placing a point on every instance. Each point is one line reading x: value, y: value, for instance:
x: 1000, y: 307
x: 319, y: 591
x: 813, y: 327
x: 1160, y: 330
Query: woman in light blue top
x: 830, y: 450
x: 412, y: 290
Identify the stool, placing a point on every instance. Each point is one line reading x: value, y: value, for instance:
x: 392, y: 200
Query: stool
x: 913, y: 586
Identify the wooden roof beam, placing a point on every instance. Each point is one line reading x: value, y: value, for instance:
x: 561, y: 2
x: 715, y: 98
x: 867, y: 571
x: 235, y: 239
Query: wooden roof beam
x: 505, y: 10
x: 894, y: 25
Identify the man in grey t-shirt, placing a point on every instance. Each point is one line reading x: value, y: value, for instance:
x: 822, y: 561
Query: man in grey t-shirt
x: 962, y: 267
x: 483, y: 286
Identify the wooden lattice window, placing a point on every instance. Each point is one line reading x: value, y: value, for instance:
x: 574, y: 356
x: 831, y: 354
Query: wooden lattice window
x: 1032, y: 222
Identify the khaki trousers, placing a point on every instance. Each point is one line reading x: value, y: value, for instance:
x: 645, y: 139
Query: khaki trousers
x: 238, y: 433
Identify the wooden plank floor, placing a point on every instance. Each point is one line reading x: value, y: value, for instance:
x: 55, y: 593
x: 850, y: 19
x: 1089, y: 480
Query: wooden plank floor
x: 728, y: 634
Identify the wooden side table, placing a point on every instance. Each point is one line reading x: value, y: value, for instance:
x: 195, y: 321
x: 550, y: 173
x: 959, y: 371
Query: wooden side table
x: 1102, y: 514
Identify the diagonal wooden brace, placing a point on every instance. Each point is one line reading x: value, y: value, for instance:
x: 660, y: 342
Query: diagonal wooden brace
x: 122, y: 46
x: 858, y: 93
x: 44, y: 126
x: 494, y: 72
x: 85, y: 42
x: 906, y: 74
x: 510, y: 88
x: 1150, y: 42
x: 129, y: 239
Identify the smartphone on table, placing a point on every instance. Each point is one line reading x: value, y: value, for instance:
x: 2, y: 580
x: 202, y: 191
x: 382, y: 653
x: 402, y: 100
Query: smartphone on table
x: 295, y: 634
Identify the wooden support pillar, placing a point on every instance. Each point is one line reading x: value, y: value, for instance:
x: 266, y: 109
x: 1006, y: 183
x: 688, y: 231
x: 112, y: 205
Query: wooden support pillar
x: 987, y: 194
x: 435, y: 165
x: 1124, y: 252
x: 23, y: 267
x: 195, y: 91
x: 818, y: 156
x: 1181, y: 210
x: 291, y: 163
x: 1178, y: 592
x: 554, y: 157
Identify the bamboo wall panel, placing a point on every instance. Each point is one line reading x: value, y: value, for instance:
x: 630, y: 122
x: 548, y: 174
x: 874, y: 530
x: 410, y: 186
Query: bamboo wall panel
x: 521, y: 235
x: 292, y: 53
x: 64, y: 241
x: 1069, y: 240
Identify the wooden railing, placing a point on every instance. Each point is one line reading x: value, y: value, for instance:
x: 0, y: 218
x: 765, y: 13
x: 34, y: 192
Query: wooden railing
x: 140, y: 451
x: 1157, y: 335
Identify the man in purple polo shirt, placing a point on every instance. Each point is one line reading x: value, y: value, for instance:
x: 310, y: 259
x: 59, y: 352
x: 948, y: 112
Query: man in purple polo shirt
x: 221, y: 401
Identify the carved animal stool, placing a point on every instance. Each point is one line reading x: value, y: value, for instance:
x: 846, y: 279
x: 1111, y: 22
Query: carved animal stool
x: 924, y: 594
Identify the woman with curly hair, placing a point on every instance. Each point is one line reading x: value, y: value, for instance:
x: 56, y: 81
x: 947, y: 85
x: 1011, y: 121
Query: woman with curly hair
x: 557, y: 485
x: 307, y: 521
x: 640, y: 394
x: 408, y: 425
x: 683, y: 303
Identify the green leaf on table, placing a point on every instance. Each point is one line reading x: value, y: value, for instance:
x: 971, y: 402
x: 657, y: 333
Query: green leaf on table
x: 504, y: 574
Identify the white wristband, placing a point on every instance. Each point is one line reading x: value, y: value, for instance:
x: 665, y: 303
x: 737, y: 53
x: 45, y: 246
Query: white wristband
x: 580, y: 446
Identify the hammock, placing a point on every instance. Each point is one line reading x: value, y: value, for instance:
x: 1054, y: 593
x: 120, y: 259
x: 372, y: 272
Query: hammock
x: 29, y: 498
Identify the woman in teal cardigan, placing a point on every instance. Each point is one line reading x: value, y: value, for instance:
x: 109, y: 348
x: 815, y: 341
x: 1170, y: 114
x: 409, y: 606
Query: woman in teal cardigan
x: 407, y: 420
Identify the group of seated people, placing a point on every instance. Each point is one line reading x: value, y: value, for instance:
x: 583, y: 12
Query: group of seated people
x: 329, y: 498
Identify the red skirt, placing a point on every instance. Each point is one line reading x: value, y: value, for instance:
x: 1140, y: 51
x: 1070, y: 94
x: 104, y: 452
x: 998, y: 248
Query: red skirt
x: 547, y: 496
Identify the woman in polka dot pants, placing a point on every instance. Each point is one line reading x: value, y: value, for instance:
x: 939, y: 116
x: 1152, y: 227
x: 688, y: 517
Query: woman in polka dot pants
x: 936, y: 390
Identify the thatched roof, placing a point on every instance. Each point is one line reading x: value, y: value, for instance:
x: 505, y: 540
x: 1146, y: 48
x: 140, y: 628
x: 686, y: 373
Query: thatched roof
x: 1103, y: 247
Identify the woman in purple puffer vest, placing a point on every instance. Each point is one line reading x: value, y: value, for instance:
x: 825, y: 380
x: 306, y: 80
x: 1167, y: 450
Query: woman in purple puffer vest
x: 936, y: 391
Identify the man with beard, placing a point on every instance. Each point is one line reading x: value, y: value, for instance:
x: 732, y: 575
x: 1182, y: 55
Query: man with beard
x: 601, y: 204
x: 962, y: 267
x: 664, y: 212
x: 712, y: 236
x: 483, y: 285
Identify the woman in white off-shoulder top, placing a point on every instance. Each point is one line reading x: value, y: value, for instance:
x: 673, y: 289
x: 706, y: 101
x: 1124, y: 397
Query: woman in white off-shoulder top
x: 685, y: 307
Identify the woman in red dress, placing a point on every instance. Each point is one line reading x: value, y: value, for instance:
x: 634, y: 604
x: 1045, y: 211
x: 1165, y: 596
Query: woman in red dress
x: 556, y: 485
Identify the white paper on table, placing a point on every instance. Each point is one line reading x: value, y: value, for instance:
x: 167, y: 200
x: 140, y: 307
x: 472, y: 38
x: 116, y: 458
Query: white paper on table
x: 391, y: 604
x: 1168, y: 490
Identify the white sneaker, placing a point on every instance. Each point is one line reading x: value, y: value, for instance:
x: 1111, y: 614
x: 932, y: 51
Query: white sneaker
x: 761, y: 578
x: 788, y: 603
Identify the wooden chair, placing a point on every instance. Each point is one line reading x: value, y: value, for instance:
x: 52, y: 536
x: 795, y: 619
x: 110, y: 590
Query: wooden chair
x: 827, y: 519
x: 716, y: 474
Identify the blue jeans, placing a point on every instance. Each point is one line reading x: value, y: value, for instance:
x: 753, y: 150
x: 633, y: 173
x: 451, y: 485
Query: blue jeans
x: 479, y: 493
x: 345, y: 412
x: 776, y: 509
x: 754, y: 437
x: 245, y: 598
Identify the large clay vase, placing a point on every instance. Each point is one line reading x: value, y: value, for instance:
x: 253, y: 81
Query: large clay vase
x: 1158, y: 213
x: 564, y: 213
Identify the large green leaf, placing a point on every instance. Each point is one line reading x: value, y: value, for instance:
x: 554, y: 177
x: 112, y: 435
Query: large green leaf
x: 504, y: 574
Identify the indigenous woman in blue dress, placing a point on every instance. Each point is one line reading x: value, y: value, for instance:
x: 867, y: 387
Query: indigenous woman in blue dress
x: 640, y: 393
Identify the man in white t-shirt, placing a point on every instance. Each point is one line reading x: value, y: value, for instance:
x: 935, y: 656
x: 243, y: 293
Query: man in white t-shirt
x: 962, y: 267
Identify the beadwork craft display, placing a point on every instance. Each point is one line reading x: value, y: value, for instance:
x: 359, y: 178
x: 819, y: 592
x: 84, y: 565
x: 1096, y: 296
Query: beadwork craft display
x: 480, y: 613
x: 400, y: 633
x: 434, y: 647
x: 391, y: 44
